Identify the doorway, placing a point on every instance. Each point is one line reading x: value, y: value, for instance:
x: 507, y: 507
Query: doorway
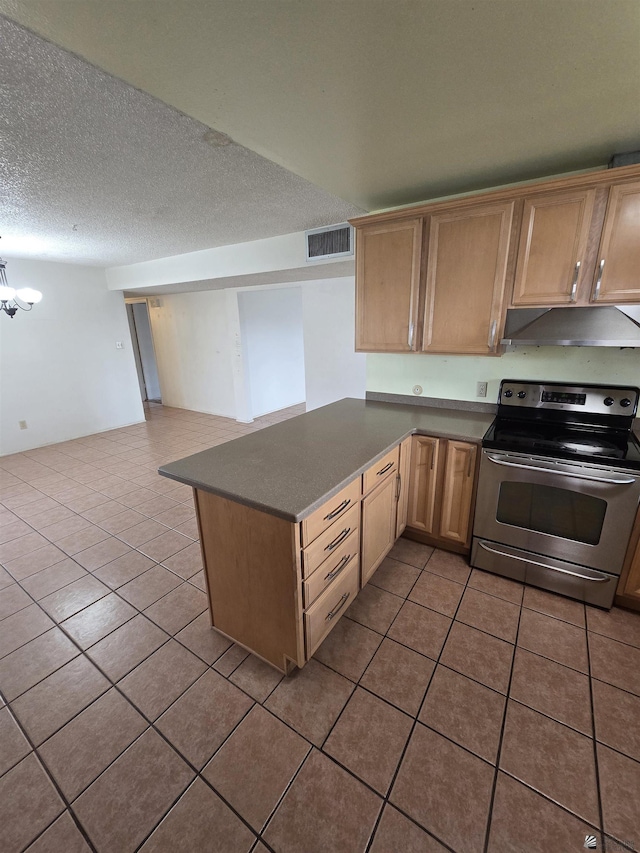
x: 143, y: 351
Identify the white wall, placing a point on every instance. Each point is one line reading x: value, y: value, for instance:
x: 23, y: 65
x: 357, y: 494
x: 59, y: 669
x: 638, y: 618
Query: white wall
x: 60, y: 369
x: 333, y: 369
x: 193, y: 335
x: 273, y: 347
x: 455, y: 377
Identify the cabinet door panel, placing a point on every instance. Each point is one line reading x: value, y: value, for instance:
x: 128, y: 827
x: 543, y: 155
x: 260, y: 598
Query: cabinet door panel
x: 423, y: 483
x: 617, y: 279
x: 466, y: 279
x: 387, y: 286
x: 403, y: 485
x: 457, y: 491
x: 551, y: 254
x: 378, y: 526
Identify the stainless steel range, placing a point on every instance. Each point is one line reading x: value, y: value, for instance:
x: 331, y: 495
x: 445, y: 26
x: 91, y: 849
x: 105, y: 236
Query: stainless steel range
x: 559, y: 487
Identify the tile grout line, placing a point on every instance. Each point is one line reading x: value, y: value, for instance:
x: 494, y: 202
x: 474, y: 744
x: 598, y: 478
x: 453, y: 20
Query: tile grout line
x: 501, y: 738
x: 594, y: 738
x: 415, y: 720
x: 35, y: 752
x: 150, y: 725
x: 228, y: 678
x: 210, y: 666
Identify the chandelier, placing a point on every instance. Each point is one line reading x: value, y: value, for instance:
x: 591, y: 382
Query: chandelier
x: 9, y: 297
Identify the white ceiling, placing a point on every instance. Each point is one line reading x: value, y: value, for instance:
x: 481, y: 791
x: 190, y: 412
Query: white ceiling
x: 94, y: 171
x: 379, y: 102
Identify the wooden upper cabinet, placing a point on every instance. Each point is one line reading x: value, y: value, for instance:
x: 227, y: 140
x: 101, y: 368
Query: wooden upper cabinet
x: 388, y: 258
x: 438, y: 277
x: 466, y: 278
x: 617, y: 276
x: 551, y: 268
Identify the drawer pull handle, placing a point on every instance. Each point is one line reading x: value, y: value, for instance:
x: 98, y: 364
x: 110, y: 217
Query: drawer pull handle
x: 343, y: 562
x: 337, y: 608
x: 337, y: 510
x: 386, y: 468
x: 339, y: 538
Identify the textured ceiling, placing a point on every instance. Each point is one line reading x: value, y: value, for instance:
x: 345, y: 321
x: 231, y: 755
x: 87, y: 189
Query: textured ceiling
x: 380, y: 102
x: 95, y: 171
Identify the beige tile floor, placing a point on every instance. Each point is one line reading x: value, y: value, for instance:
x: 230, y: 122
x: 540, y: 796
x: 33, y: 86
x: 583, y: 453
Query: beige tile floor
x: 448, y: 710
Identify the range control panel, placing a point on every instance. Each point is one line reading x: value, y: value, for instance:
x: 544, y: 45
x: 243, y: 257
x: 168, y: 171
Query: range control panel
x: 592, y: 399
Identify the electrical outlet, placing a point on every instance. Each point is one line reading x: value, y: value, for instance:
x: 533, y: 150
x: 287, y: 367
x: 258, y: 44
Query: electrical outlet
x: 481, y: 389
x: 22, y: 424
x: 119, y: 345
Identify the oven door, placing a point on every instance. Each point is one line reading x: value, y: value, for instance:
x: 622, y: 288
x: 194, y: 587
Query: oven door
x: 580, y: 513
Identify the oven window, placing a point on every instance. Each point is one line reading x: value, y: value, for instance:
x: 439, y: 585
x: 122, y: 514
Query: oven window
x: 557, y: 512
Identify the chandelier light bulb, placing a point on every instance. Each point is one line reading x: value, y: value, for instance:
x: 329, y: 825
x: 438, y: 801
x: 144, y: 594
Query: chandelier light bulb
x: 29, y: 295
x: 6, y: 293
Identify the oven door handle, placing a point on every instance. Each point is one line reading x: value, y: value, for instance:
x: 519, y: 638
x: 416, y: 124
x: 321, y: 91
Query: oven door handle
x: 613, y: 481
x: 602, y: 579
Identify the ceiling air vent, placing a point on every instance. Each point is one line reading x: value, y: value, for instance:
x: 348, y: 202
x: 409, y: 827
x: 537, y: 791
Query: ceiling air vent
x: 335, y: 241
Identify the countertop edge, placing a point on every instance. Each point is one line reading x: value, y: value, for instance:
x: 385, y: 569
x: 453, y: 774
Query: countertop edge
x: 305, y: 513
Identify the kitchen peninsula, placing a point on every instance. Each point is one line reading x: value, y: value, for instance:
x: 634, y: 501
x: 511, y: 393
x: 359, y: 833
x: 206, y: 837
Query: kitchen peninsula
x: 295, y: 518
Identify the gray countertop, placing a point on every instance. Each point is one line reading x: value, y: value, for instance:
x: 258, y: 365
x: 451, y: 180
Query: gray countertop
x: 291, y: 468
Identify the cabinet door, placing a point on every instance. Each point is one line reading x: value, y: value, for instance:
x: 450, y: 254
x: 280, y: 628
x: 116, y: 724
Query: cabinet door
x: 617, y: 272
x: 632, y: 584
x: 466, y: 279
x: 457, y: 491
x: 423, y: 483
x: 553, y: 241
x: 387, y: 286
x: 378, y: 526
x: 628, y: 593
x: 403, y: 486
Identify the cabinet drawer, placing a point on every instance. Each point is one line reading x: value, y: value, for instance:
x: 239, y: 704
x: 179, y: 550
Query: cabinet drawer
x: 381, y: 470
x: 325, y: 515
x: 332, y: 567
x: 329, y: 541
x: 323, y: 614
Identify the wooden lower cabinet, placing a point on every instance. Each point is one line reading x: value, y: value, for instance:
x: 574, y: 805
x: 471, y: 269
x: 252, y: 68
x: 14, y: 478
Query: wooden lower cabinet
x: 423, y: 484
x: 457, y: 491
x: 378, y: 526
x: 404, y: 474
x: 628, y: 593
x: 442, y: 486
x: 278, y: 587
x: 252, y: 563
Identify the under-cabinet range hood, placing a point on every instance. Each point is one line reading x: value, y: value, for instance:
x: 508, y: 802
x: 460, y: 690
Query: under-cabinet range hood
x: 572, y: 327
